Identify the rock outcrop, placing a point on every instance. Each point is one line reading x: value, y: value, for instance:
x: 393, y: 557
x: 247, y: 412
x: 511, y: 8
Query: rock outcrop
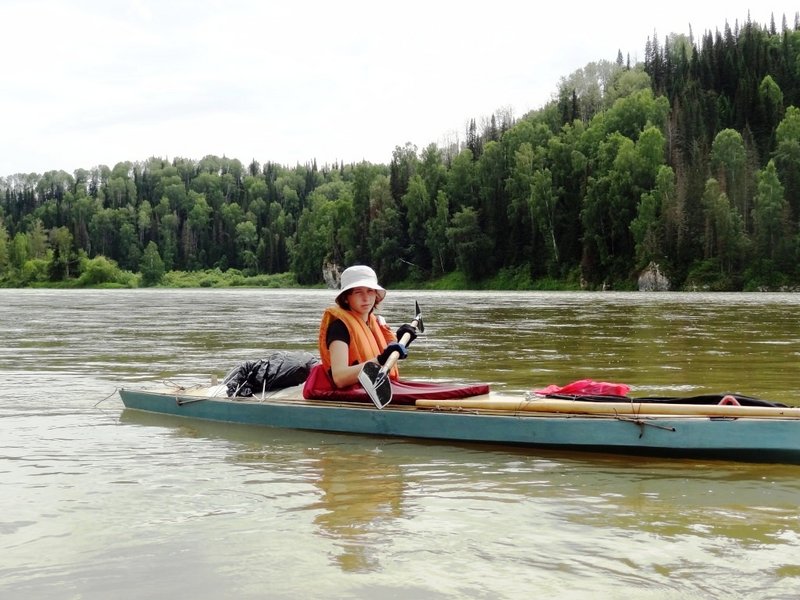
x: 653, y: 280
x: 331, y: 274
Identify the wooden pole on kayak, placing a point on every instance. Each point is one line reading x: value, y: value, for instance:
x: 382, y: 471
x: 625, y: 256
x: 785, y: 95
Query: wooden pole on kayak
x: 576, y: 407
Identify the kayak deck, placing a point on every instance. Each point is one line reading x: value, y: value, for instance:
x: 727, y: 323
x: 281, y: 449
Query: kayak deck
x: 523, y: 405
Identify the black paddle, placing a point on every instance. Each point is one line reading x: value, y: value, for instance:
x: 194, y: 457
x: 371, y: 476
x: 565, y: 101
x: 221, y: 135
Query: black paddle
x: 375, y: 379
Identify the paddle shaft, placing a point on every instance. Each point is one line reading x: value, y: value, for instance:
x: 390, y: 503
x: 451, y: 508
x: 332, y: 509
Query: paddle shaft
x: 375, y: 378
x: 390, y: 362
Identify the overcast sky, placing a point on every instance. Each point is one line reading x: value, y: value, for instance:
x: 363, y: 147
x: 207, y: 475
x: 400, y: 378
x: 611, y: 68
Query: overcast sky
x: 89, y: 82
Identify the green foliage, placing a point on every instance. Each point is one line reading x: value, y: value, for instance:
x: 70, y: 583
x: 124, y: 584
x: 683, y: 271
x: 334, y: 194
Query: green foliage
x: 543, y: 207
x: 34, y: 271
x: 511, y: 278
x: 151, y: 267
x: 708, y: 275
x: 769, y: 216
x: 384, y: 244
x: 99, y: 270
x: 691, y: 159
x: 724, y: 233
x: 471, y: 245
x: 4, y: 250
x: 215, y: 278
x: 419, y: 210
x: 436, y: 235
x: 656, y: 219
x: 764, y: 275
x: 728, y: 161
x: 787, y: 157
x: 18, y: 253
x: 455, y: 280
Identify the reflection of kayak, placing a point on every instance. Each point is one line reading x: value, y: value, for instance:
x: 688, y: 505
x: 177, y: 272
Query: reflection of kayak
x: 727, y: 430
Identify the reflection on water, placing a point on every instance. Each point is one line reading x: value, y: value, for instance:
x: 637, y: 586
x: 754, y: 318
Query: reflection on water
x: 357, y: 490
x: 361, y: 496
x: 106, y: 503
x: 696, y: 526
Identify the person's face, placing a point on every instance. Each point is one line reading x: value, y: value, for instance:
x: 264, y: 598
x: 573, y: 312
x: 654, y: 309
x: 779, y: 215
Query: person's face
x: 362, y: 300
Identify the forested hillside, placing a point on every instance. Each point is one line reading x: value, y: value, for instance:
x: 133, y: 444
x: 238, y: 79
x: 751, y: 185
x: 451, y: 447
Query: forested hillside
x: 690, y: 160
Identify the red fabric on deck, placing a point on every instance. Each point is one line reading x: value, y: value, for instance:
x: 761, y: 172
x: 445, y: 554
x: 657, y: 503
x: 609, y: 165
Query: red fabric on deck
x: 587, y: 387
x: 319, y: 386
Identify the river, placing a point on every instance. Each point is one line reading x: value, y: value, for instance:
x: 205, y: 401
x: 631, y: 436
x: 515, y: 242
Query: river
x: 103, y: 503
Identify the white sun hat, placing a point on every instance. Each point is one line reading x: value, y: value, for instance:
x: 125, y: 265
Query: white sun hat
x: 360, y: 276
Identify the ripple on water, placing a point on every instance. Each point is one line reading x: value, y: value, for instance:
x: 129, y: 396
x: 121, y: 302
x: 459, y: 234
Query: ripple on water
x: 98, y: 500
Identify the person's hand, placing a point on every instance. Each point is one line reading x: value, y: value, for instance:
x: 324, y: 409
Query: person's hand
x: 406, y: 328
x: 393, y: 347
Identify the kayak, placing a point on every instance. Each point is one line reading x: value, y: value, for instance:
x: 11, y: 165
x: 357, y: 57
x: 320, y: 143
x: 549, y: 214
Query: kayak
x: 723, y: 430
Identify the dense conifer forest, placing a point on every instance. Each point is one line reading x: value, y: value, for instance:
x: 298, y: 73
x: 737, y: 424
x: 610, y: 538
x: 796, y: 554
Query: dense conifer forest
x: 689, y: 160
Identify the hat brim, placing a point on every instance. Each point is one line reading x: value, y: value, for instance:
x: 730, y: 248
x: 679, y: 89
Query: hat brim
x: 381, y: 292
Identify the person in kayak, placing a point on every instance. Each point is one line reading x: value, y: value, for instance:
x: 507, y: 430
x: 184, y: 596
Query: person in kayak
x: 351, y: 333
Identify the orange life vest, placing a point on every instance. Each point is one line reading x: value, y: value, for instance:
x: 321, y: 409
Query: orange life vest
x: 367, y: 340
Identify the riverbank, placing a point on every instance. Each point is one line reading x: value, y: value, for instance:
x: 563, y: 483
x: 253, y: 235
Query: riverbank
x: 504, y: 279
x: 101, y: 276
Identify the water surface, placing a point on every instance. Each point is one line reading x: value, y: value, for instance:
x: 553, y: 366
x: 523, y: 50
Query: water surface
x: 99, y: 502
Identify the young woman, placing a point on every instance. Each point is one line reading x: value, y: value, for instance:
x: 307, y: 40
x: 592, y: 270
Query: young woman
x: 352, y: 334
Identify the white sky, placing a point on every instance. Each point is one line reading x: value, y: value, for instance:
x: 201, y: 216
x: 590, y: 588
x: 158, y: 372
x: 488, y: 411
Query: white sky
x: 89, y: 82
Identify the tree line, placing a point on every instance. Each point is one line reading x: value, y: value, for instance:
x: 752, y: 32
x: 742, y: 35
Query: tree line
x: 689, y: 160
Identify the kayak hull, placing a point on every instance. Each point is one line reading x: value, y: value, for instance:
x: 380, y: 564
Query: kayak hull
x: 770, y: 439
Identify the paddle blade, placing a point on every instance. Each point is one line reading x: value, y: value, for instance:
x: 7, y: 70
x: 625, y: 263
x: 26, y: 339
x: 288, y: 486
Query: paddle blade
x: 419, y: 324
x: 376, y: 384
